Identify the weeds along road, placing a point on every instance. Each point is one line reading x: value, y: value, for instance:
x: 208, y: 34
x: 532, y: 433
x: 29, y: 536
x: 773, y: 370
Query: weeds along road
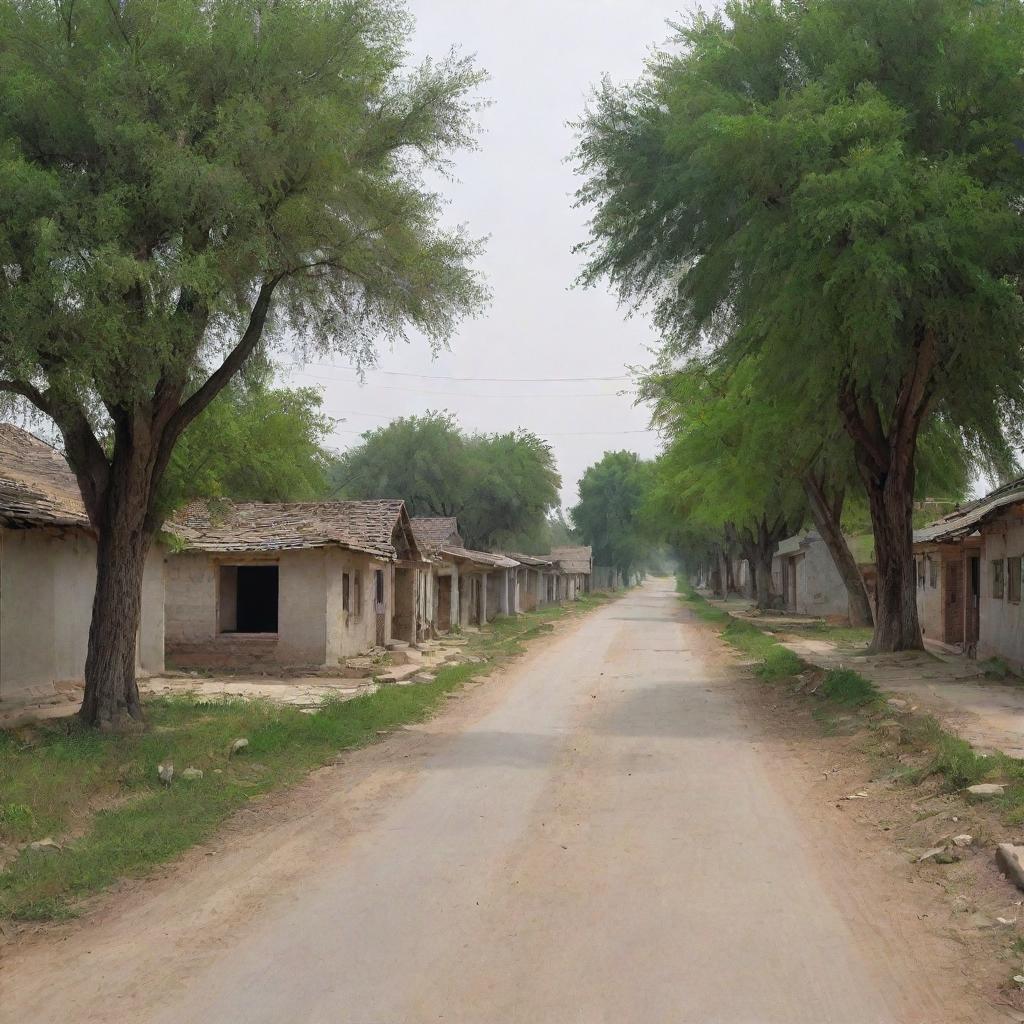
x: 592, y: 837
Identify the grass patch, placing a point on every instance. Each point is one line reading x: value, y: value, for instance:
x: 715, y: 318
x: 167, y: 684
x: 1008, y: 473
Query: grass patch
x: 848, y: 689
x: 847, y: 637
x: 99, y: 794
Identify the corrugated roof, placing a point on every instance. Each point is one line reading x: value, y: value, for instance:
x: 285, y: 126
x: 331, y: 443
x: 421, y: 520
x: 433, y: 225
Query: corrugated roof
x: 966, y: 520
x: 483, y: 558
x: 37, y: 486
x: 433, y: 532
x: 573, y: 559
x: 366, y: 526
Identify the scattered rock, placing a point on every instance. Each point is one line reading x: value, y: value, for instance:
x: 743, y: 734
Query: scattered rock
x: 165, y: 773
x: 1010, y: 860
x: 238, y: 745
x: 985, y: 790
x: 963, y: 841
x: 47, y: 845
x: 1007, y: 922
x: 933, y: 854
x: 192, y: 774
x: 895, y: 702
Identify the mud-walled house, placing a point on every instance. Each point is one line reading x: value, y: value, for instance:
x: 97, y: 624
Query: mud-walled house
x: 574, y: 565
x: 532, y: 580
x: 302, y: 584
x: 48, y: 575
x: 969, y: 576
x: 439, y: 584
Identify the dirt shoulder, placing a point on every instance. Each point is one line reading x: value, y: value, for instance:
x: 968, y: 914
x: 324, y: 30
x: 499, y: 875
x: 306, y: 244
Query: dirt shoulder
x: 845, y: 775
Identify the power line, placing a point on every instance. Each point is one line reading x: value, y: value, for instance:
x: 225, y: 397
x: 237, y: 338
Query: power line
x: 541, y: 434
x: 465, y: 394
x: 474, y: 380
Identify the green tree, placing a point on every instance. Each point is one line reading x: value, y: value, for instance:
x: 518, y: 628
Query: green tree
x: 500, y: 486
x: 184, y: 184
x: 726, y: 463
x: 609, y: 515
x: 836, y: 187
x: 253, y: 442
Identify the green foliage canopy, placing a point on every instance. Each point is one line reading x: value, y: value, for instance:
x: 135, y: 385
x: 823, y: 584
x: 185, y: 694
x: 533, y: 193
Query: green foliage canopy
x: 500, y: 486
x: 609, y: 514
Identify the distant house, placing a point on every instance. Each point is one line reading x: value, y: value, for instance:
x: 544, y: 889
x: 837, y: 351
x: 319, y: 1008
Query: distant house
x: 290, y: 584
x: 487, y: 584
x: 48, y: 575
x: 532, y: 580
x: 805, y: 574
x: 574, y: 565
x: 440, y: 593
x: 969, y: 576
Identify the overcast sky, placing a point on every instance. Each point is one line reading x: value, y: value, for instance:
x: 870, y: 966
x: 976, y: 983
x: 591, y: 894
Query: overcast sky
x: 543, y: 56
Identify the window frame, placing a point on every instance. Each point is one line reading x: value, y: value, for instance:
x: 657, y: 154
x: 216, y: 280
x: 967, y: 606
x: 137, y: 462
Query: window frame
x: 998, y: 569
x: 1013, y: 577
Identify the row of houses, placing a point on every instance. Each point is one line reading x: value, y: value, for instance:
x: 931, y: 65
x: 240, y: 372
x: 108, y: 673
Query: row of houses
x: 247, y: 585
x: 969, y: 567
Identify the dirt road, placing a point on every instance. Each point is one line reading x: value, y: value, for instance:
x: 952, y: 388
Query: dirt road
x: 595, y: 837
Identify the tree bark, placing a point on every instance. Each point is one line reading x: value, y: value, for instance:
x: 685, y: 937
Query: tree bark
x: 827, y: 516
x: 722, y: 590
x: 885, y: 460
x: 758, y: 545
x: 897, y: 627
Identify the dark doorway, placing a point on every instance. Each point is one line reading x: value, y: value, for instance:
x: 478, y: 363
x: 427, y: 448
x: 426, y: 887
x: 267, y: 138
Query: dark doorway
x: 444, y: 603
x: 974, y: 607
x: 954, y: 610
x: 256, y: 602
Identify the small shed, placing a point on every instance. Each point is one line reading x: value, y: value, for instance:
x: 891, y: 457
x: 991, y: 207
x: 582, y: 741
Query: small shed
x: 290, y: 583
x: 48, y: 575
x: 575, y: 566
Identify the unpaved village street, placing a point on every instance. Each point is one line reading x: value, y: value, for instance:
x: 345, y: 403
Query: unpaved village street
x: 594, y: 836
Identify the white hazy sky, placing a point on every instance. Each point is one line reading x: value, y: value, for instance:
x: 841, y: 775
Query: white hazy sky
x: 543, y: 56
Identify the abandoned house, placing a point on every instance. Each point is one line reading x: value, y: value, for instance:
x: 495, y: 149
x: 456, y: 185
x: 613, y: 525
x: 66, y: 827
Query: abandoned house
x: 969, y: 576
x: 534, y: 579
x: 487, y: 584
x: 574, y: 565
x: 48, y: 574
x: 290, y: 584
x: 805, y: 576
x: 439, y: 585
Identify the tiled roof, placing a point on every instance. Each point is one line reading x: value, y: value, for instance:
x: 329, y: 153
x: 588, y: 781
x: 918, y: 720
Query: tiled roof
x: 573, y: 559
x: 482, y: 558
x: 366, y: 526
x: 433, y: 532
x: 966, y: 520
x: 37, y: 487
x: 533, y: 561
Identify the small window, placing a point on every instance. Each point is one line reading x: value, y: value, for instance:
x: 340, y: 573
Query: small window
x: 346, y: 592
x: 933, y: 572
x: 998, y: 578
x: 378, y: 589
x: 920, y: 573
x: 357, y: 594
x: 1013, y: 579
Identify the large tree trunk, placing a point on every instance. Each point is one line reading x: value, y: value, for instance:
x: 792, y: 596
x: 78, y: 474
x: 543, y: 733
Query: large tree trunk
x: 125, y: 534
x: 111, y: 691
x: 885, y: 459
x: 897, y: 627
x: 827, y: 516
x: 759, y: 547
